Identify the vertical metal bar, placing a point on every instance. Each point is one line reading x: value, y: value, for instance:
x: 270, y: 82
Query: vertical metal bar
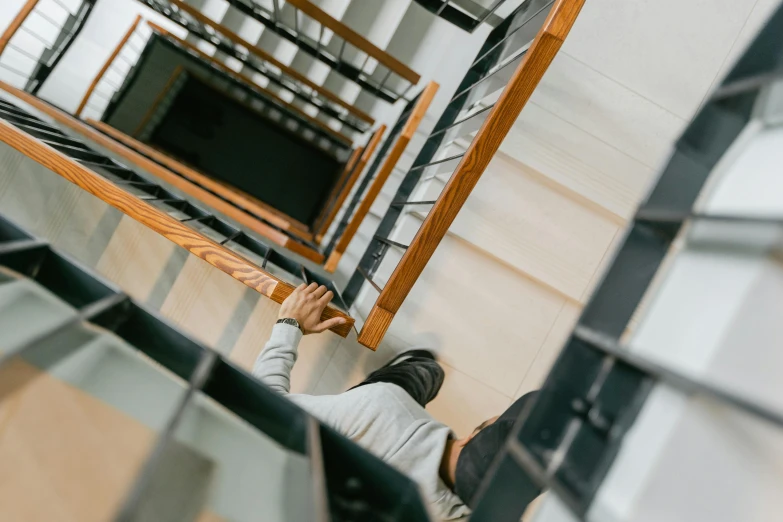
x: 442, y: 7
x: 35, y: 35
x: 17, y: 71
x: 130, y: 508
x: 45, y: 17
x: 340, y: 55
x: 231, y: 237
x: 320, y: 38
x: 408, y: 88
x: 364, y: 63
x: 491, y: 10
x: 134, y: 49
x: 296, y: 26
x: 385, y: 78
x: 65, y: 7
x: 276, y: 11
x: 317, y: 470
x: 266, y: 257
x: 85, y: 314
x: 23, y: 52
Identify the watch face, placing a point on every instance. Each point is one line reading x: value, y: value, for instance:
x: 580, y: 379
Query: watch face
x: 288, y: 320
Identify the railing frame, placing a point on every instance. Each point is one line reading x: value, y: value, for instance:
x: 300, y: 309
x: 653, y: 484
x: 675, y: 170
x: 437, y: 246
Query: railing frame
x: 251, y: 207
x: 343, y: 237
x: 262, y: 55
x: 336, y: 204
x: 471, y: 166
x: 43, y: 68
x: 239, y: 215
x: 248, y: 81
x: 144, y: 212
x: 107, y: 64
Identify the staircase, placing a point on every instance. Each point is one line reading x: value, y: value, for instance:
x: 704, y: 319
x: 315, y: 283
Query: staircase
x: 505, y: 287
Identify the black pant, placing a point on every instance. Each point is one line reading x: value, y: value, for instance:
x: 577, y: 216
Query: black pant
x: 419, y: 374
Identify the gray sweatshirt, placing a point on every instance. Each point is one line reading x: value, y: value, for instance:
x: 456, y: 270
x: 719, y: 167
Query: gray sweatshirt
x: 381, y: 417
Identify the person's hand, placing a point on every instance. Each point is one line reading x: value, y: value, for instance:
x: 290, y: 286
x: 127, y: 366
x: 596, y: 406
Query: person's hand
x: 306, y: 304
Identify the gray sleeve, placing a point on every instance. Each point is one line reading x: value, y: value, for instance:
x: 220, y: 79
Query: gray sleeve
x: 274, y: 363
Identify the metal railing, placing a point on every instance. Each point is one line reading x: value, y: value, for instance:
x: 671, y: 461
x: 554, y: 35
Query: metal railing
x: 118, y: 63
x: 465, y: 14
x: 34, y: 63
x: 511, y: 62
x: 337, y: 477
x: 570, y: 434
x: 231, y: 44
x: 213, y: 72
x: 330, y: 41
x: 144, y: 189
x: 382, y: 167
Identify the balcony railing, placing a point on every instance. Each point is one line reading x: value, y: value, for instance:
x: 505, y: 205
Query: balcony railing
x: 598, y: 386
x: 143, y: 198
x: 54, y: 30
x: 384, y: 163
x: 513, y: 60
x: 79, y: 330
x: 200, y: 187
x: 106, y: 92
x: 345, y: 184
x: 346, y: 52
x: 465, y: 14
x: 258, y: 60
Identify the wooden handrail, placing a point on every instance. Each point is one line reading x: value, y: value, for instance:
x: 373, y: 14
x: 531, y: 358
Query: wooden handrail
x: 16, y: 23
x: 417, y: 114
x: 173, y: 179
x: 157, y: 220
x: 263, y: 55
x: 107, y: 64
x: 356, y: 173
x: 247, y: 80
x: 193, y: 175
x: 478, y: 155
x: 355, y: 39
x: 347, y: 169
x: 294, y: 225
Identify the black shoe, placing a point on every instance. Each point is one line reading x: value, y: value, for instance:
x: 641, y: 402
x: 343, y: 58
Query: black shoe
x: 404, y: 356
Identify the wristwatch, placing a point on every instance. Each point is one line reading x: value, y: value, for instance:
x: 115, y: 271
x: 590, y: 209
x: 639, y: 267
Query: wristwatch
x: 291, y: 321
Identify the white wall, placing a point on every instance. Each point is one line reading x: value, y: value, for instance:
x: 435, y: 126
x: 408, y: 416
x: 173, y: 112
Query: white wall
x: 109, y: 21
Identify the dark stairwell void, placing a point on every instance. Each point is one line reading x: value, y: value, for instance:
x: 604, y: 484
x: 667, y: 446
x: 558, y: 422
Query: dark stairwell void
x: 187, y: 108
x: 223, y: 138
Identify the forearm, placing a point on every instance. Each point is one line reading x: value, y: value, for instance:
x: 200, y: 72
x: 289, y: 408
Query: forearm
x: 275, y: 362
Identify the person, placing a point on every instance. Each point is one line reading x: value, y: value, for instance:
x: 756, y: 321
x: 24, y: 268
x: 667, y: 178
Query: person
x: 385, y: 413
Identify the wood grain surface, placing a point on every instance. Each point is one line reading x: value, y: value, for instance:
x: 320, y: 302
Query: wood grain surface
x: 216, y: 255
x: 355, y: 39
x: 16, y: 23
x: 467, y: 174
x: 374, y: 329
x: 107, y: 64
x: 356, y: 173
x: 417, y: 114
x: 349, y: 165
x: 243, y: 218
x: 191, y: 174
x: 294, y: 224
x: 259, y: 53
x: 247, y: 80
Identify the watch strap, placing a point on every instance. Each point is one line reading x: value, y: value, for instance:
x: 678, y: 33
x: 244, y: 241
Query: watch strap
x: 290, y: 321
